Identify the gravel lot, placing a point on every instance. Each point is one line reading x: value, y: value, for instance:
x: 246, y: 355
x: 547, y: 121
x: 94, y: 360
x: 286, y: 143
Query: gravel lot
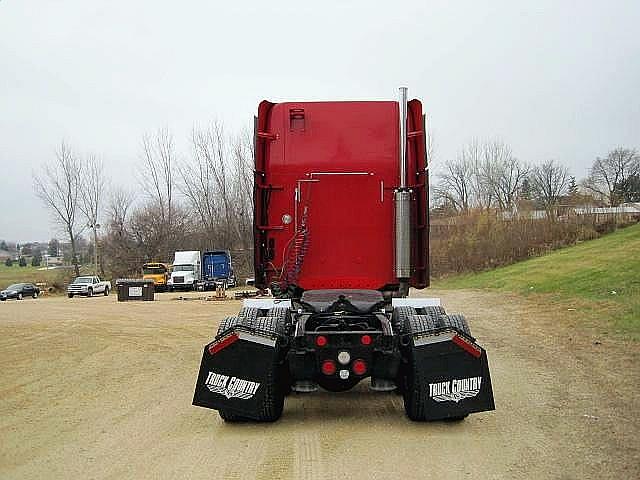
x: 93, y: 388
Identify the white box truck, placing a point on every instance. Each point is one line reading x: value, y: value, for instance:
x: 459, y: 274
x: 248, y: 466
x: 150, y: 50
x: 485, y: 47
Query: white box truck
x: 186, y: 274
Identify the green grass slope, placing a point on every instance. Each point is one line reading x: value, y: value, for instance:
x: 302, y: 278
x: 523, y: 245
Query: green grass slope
x: 602, y: 276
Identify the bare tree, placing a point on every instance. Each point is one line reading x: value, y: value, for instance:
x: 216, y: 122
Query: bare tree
x: 549, y: 180
x: 243, y: 179
x: 454, y: 185
x: 209, y: 183
x: 118, y: 208
x: 609, y: 173
x: 484, y: 175
x: 92, y: 191
x: 482, y: 192
x: 199, y: 187
x: 59, y: 186
x: 157, y: 179
x: 503, y: 173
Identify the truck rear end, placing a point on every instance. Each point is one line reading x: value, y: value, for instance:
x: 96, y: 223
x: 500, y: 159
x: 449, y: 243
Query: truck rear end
x: 341, y: 233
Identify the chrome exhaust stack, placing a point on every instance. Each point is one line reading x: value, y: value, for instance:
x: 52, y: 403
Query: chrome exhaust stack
x: 402, y: 198
x: 402, y: 104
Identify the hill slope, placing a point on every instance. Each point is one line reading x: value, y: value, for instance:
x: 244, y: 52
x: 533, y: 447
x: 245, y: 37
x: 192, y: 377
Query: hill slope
x: 601, y: 276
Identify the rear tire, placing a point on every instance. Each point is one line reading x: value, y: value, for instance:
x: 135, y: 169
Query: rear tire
x: 456, y: 321
x: 400, y: 319
x: 415, y: 391
x: 422, y: 323
x: 455, y: 419
x: 229, y: 417
x: 248, y: 315
x: 273, y: 396
x: 226, y: 324
x: 435, y: 312
x: 274, y: 322
x: 106, y: 291
x: 274, y: 384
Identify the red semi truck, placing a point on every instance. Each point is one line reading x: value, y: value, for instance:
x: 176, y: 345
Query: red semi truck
x: 341, y: 233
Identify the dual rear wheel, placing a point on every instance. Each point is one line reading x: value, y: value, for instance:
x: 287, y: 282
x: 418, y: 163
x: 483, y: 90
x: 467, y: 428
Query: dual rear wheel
x: 274, y: 385
x: 409, y: 321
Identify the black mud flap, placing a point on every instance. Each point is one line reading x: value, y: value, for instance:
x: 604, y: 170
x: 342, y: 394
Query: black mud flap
x: 454, y: 374
x: 233, y: 372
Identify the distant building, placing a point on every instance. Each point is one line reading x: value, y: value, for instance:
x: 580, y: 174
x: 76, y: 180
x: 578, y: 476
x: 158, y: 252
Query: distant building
x: 50, y: 261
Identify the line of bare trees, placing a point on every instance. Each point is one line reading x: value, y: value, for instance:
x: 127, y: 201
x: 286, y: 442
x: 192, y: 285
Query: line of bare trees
x: 487, y: 175
x: 203, y: 199
x: 200, y: 202
x: 72, y: 188
x: 616, y: 177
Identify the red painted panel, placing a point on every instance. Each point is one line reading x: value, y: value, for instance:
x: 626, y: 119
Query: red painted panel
x: 330, y: 167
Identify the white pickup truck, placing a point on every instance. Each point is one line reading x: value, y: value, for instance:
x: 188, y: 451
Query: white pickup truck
x: 88, y: 286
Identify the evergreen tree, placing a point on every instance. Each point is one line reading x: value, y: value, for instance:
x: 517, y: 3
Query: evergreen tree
x: 36, y: 260
x: 8, y: 262
x: 628, y: 190
x: 22, y: 262
x: 573, y: 187
x: 54, y: 245
x: 526, y: 190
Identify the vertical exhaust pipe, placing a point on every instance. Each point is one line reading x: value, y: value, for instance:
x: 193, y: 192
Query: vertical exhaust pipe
x: 402, y: 197
x: 402, y: 104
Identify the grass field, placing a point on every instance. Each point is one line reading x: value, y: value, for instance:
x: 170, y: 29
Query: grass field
x: 17, y: 274
x: 600, y: 277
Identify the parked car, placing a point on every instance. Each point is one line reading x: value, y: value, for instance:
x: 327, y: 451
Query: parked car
x: 19, y: 291
x: 88, y: 286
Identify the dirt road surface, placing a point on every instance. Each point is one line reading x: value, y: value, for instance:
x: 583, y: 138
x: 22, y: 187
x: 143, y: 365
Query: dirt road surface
x: 94, y: 389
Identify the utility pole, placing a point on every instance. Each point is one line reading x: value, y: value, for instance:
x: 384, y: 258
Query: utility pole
x: 95, y: 227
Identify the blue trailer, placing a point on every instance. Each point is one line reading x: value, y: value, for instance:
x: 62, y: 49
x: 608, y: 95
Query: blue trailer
x: 217, y: 270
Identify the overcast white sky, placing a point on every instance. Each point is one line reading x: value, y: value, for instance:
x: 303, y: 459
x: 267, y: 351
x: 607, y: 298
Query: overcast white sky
x: 553, y: 79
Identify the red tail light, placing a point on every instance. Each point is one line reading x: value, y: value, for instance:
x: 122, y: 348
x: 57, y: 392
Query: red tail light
x: 328, y: 367
x: 365, y: 340
x: 359, y: 367
x: 321, y: 340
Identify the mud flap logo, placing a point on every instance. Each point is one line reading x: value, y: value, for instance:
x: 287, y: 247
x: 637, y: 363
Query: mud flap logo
x: 231, y: 387
x: 455, y: 390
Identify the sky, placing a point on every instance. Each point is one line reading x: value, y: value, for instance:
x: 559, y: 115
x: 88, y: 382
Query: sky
x: 553, y: 79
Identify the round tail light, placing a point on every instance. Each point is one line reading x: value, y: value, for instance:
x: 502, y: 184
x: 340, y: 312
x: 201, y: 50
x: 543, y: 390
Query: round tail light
x: 328, y: 367
x: 359, y: 367
x: 321, y: 340
x: 366, y: 339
